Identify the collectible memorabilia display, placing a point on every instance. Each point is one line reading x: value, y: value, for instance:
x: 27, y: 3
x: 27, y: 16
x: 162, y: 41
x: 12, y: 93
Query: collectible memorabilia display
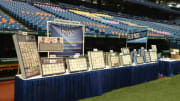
x: 153, y: 56
x: 125, y: 50
x: 96, y: 59
x: 135, y: 52
x: 53, y: 68
x: 154, y: 48
x: 50, y: 44
x: 140, y: 60
x: 175, y: 54
x: 112, y: 59
x: 147, y: 57
x: 28, y: 56
x: 142, y: 51
x: 76, y: 64
x: 125, y: 59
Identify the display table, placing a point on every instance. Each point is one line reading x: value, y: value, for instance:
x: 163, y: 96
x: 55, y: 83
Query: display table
x: 169, y: 67
x: 70, y: 87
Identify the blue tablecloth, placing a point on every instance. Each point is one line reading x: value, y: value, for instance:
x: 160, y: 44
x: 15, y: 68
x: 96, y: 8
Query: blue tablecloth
x: 144, y: 73
x: 82, y: 85
x: 169, y: 68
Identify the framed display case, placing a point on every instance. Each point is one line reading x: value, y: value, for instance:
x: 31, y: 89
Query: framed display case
x: 50, y: 44
x: 153, y: 56
x: 174, y: 54
x: 125, y: 50
x: 140, y: 60
x: 76, y: 64
x: 126, y: 59
x: 48, y: 69
x: 147, y: 57
x: 28, y: 56
x: 154, y: 47
x: 113, y: 59
x: 96, y: 59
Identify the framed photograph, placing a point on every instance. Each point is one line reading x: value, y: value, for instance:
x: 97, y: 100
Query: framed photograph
x: 153, y: 56
x: 28, y: 55
x: 140, y: 60
x: 53, y: 69
x: 76, y: 64
x: 96, y: 59
x: 50, y: 44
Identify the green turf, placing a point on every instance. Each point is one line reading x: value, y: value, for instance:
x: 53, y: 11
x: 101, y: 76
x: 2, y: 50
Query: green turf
x: 167, y: 89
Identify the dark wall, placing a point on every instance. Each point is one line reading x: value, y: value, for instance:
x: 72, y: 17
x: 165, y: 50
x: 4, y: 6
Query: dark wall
x: 162, y: 44
x: 104, y: 44
x: 7, y: 46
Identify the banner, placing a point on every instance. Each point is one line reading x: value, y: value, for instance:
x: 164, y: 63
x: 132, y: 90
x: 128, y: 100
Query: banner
x: 139, y: 37
x: 73, y: 38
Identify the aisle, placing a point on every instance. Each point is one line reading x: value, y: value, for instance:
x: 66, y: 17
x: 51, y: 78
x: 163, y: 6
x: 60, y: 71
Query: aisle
x: 7, y: 90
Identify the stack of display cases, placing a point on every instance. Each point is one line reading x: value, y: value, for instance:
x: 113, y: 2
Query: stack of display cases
x: 125, y: 57
x: 52, y: 66
x: 112, y: 59
x: 153, y: 53
x: 28, y: 56
x: 96, y: 60
x: 153, y: 56
x: 140, y: 58
x: 147, y: 57
x: 76, y: 64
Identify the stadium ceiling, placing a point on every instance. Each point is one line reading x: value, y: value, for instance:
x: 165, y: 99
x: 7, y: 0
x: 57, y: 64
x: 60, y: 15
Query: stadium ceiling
x: 154, y: 6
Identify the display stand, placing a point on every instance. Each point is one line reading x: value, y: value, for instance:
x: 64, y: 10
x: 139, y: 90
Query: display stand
x: 147, y: 57
x: 52, y: 66
x: 153, y: 53
x: 96, y: 59
x: 139, y: 60
x: 76, y: 64
x: 28, y: 56
x: 112, y: 59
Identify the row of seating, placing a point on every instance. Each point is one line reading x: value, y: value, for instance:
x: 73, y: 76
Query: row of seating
x: 31, y: 16
x: 158, y: 28
x: 93, y: 25
x: 36, y: 16
x: 7, y: 23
